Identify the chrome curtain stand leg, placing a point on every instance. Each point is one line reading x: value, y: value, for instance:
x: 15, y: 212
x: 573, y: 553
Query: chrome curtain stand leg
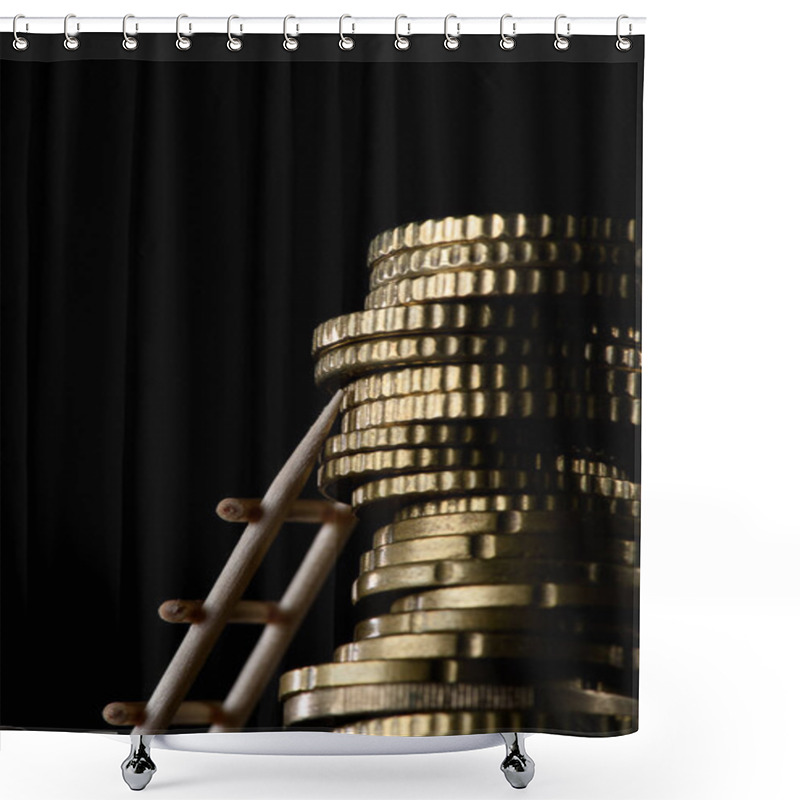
x: 517, y: 766
x: 138, y: 768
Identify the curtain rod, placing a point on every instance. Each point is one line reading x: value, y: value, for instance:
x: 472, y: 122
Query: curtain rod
x: 456, y: 25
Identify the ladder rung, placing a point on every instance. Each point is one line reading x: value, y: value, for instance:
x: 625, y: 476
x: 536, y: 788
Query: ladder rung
x: 190, y: 712
x: 250, y: 611
x: 248, y: 509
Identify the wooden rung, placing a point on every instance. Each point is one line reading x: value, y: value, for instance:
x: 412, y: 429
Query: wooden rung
x: 190, y: 712
x: 240, y: 509
x: 248, y: 509
x: 319, y: 511
x: 260, y: 612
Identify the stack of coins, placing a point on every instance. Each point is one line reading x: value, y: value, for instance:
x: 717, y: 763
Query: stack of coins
x: 489, y: 437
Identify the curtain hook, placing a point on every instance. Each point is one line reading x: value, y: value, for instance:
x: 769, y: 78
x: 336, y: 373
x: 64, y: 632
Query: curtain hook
x: 289, y: 42
x: 70, y: 42
x: 346, y: 42
x: 452, y: 42
x: 401, y: 42
x: 561, y: 42
x: 182, y: 42
x: 234, y: 43
x: 20, y: 42
x: 507, y: 42
x: 129, y: 42
x: 622, y: 43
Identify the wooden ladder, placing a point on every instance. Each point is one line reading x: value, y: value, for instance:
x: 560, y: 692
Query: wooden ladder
x: 223, y: 604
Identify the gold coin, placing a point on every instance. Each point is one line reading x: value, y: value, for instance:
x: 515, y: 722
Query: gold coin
x: 498, y: 618
x: 448, y: 378
x: 440, y: 724
x: 488, y: 619
x: 569, y: 525
x: 454, y: 317
x: 474, y: 644
x: 582, y: 724
x: 427, y: 457
x: 349, y: 673
x: 354, y: 701
x: 537, y: 595
x: 504, y: 282
x: 499, y: 570
x: 449, y: 318
x: 473, y: 227
x: 490, y: 405
x: 434, y: 548
x: 419, y: 435
x: 337, y: 476
x: 499, y: 253
x: 489, y: 545
x: 572, y: 697
x: 493, y: 434
x: 471, y: 722
x: 358, y: 358
x: 504, y: 503
x: 480, y: 481
x: 491, y: 377
x: 432, y: 317
x: 306, y: 679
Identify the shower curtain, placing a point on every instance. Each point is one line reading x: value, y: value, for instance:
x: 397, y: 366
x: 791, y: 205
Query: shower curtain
x: 203, y: 249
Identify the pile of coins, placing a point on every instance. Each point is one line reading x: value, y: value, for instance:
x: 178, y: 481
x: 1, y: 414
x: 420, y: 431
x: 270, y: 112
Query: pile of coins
x: 489, y: 433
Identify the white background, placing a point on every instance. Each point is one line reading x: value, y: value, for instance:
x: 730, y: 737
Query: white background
x: 720, y: 603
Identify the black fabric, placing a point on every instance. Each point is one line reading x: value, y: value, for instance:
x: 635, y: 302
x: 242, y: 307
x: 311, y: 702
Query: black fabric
x: 172, y: 232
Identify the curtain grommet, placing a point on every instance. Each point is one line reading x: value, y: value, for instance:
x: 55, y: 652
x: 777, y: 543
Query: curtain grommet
x: 561, y: 42
x: 507, y: 42
x: 128, y: 42
x: 452, y: 42
x: 182, y: 42
x: 70, y: 42
x: 234, y: 43
x: 401, y: 42
x: 20, y: 43
x: 346, y: 42
x: 623, y: 44
x: 290, y: 43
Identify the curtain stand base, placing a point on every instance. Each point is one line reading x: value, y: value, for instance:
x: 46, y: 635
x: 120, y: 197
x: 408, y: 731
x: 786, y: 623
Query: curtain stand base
x: 517, y: 766
x: 138, y: 768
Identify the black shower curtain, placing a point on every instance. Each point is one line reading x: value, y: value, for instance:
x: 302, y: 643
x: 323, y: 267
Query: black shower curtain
x: 175, y: 225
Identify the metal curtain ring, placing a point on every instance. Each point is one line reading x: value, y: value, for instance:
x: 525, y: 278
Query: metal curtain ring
x: 622, y: 43
x: 289, y: 42
x: 401, y: 42
x: 452, y: 42
x: 346, y: 42
x: 561, y: 42
x: 234, y: 43
x: 182, y: 42
x: 20, y: 42
x: 129, y: 42
x: 70, y: 42
x: 507, y: 42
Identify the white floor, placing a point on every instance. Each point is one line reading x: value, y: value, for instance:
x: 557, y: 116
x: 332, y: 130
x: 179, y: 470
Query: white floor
x: 719, y: 710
